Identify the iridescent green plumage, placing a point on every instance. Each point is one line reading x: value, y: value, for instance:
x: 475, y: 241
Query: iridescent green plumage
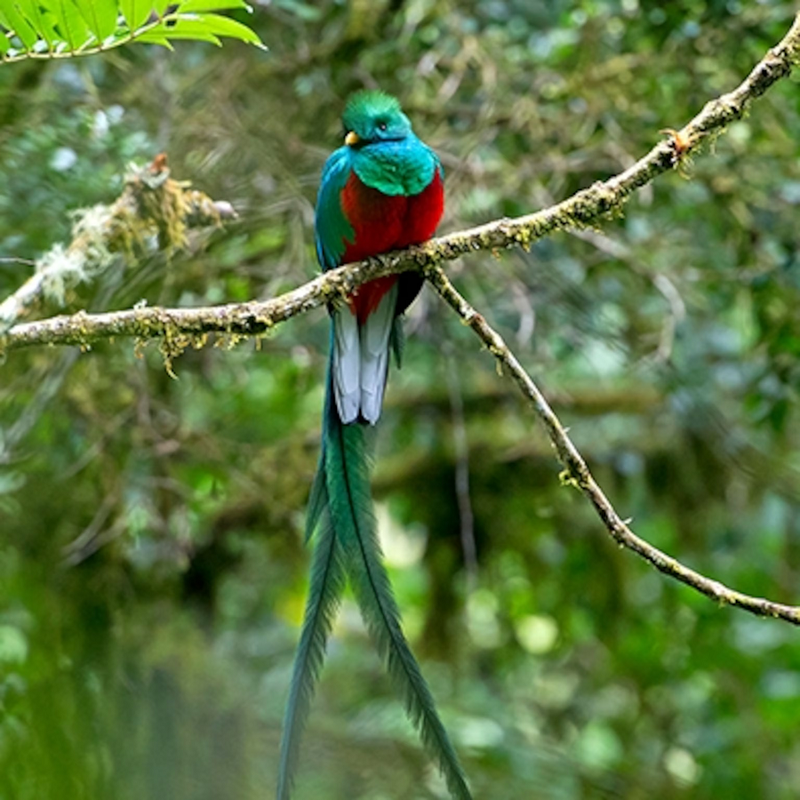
x: 383, y: 190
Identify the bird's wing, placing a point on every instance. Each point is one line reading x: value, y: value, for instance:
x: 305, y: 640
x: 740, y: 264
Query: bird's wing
x: 331, y: 226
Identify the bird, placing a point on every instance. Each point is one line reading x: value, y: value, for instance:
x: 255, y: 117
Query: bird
x: 382, y: 190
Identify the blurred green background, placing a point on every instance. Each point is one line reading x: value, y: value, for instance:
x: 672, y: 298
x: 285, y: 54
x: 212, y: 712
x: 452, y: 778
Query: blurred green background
x: 152, y: 573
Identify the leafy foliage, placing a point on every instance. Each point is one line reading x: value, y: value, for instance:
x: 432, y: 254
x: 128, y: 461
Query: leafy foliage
x: 66, y: 28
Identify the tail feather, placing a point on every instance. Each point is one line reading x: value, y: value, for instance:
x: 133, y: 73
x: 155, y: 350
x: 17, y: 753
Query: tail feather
x: 317, y: 499
x: 351, y: 513
x: 346, y: 363
x: 375, y: 333
x: 341, y: 517
x: 327, y: 585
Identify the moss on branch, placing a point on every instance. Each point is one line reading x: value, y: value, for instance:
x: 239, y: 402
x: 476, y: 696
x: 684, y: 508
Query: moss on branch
x: 577, y: 475
x: 170, y: 213
x: 107, y: 236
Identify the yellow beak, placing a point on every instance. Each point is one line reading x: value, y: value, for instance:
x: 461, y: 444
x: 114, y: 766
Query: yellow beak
x: 351, y: 139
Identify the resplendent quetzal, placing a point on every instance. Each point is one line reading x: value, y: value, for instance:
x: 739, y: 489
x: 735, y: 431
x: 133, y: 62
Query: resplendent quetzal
x: 381, y: 191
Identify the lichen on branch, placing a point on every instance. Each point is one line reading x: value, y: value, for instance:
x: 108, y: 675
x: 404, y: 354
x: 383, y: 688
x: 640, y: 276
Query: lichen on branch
x: 152, y: 205
x: 577, y: 475
x: 586, y: 207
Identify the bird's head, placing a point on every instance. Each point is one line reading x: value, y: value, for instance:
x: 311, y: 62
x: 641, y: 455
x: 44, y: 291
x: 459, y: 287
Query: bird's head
x: 372, y: 117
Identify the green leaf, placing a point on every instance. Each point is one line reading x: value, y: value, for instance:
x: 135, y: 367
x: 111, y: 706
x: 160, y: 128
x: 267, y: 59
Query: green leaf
x: 55, y: 24
x: 182, y: 28
x: 100, y: 16
x: 224, y: 26
x: 212, y: 5
x: 136, y: 12
x: 36, y: 17
x: 71, y: 25
x: 14, y: 21
x: 153, y: 38
x: 200, y: 27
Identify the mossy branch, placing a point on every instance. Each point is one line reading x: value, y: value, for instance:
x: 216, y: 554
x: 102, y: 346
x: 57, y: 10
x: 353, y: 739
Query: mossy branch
x: 584, y: 208
x: 576, y: 472
x: 152, y: 204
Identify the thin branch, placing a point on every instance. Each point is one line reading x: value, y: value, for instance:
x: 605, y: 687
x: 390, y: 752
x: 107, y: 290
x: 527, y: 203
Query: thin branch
x: 577, y: 473
x: 178, y: 327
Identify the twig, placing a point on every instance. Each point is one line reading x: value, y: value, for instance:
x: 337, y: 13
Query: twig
x: 584, y: 208
x: 577, y: 473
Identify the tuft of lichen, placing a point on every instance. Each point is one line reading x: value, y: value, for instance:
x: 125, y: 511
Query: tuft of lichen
x: 60, y: 270
x: 153, y: 208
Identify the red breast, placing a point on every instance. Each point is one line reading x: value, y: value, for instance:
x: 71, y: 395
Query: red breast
x: 382, y: 223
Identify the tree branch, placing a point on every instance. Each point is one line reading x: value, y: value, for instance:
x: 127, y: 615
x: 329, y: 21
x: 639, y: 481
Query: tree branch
x: 577, y: 473
x: 180, y: 327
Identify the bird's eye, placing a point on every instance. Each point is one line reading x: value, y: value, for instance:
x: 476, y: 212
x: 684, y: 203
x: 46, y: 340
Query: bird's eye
x: 382, y: 126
